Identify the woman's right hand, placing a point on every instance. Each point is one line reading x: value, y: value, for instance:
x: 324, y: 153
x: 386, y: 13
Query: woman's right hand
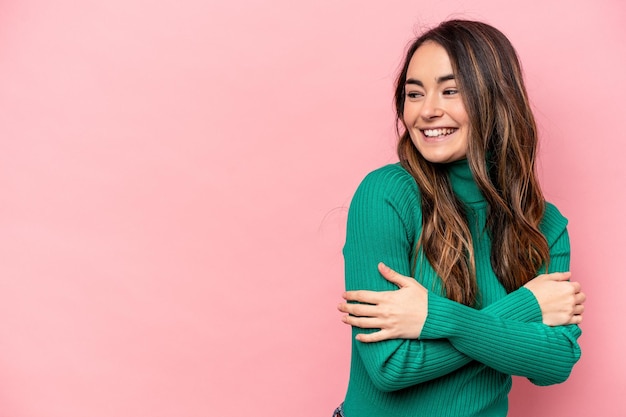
x: 561, y: 300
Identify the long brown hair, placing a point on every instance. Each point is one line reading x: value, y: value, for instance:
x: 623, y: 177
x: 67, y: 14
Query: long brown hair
x: 501, y: 154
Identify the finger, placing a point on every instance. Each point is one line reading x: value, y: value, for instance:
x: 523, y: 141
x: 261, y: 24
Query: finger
x: 363, y: 296
x: 560, y: 276
x: 361, y: 310
x: 393, y: 276
x: 373, y: 337
x: 580, y: 297
x: 362, y: 322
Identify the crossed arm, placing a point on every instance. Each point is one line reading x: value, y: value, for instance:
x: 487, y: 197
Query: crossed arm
x: 401, y: 313
x: 406, y: 335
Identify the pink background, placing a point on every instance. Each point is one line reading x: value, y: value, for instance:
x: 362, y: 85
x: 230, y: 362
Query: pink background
x: 175, y: 177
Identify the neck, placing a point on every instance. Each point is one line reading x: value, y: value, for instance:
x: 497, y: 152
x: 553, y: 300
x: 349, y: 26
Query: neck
x: 463, y: 182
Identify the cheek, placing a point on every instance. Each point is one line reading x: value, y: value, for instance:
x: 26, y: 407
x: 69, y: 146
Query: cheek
x: 405, y: 115
x: 409, y: 113
x: 461, y: 115
x: 407, y: 125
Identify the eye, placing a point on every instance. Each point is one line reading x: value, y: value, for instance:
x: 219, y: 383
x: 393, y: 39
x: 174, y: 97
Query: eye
x: 450, y: 91
x: 412, y: 95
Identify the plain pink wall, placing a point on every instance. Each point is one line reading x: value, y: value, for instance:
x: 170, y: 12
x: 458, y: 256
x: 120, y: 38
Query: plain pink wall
x: 175, y: 177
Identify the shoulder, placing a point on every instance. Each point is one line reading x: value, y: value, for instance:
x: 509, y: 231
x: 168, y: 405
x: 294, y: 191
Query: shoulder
x: 391, y: 180
x: 385, y: 205
x: 553, y: 223
x: 390, y: 187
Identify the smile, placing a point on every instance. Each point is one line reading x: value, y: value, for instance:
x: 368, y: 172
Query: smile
x: 433, y: 133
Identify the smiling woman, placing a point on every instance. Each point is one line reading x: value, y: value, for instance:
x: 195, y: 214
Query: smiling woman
x: 475, y: 286
x: 434, y: 113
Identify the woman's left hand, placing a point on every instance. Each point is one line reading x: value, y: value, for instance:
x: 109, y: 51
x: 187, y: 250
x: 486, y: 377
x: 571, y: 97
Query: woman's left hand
x: 399, y: 314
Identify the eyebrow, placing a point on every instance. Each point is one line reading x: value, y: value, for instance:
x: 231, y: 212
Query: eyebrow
x: 440, y: 80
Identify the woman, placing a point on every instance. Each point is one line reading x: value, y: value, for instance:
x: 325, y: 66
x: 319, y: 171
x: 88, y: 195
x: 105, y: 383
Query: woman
x: 463, y: 213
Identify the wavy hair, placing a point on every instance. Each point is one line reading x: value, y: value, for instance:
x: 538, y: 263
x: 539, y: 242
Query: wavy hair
x: 501, y: 155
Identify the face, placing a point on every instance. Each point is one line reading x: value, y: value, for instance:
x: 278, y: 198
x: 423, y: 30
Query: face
x: 434, y: 113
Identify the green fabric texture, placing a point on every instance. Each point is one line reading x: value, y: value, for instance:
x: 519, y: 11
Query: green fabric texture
x: 461, y: 365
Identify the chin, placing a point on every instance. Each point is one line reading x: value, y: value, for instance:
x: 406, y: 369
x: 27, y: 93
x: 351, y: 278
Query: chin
x: 441, y: 154
x: 442, y: 159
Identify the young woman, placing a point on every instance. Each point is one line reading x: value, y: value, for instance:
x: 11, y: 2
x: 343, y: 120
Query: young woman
x: 464, y: 215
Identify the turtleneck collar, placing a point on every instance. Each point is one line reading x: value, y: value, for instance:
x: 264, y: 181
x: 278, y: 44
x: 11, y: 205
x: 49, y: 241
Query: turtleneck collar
x: 463, y: 182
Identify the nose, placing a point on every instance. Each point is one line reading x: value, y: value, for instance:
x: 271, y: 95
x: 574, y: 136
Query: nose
x: 431, y: 107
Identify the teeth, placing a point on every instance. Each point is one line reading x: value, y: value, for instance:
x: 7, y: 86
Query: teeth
x: 438, y: 132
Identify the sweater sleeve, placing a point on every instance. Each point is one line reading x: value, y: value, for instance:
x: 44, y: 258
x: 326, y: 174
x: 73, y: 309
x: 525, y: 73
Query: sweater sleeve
x: 383, y: 223
x: 543, y: 354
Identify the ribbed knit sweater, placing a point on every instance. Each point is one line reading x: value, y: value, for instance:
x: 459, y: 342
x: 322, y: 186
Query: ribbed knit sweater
x: 462, y: 363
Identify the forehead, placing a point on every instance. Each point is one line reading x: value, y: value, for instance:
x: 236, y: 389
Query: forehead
x: 429, y: 62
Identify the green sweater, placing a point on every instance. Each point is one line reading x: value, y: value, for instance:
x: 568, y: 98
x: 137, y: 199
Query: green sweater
x: 462, y: 363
